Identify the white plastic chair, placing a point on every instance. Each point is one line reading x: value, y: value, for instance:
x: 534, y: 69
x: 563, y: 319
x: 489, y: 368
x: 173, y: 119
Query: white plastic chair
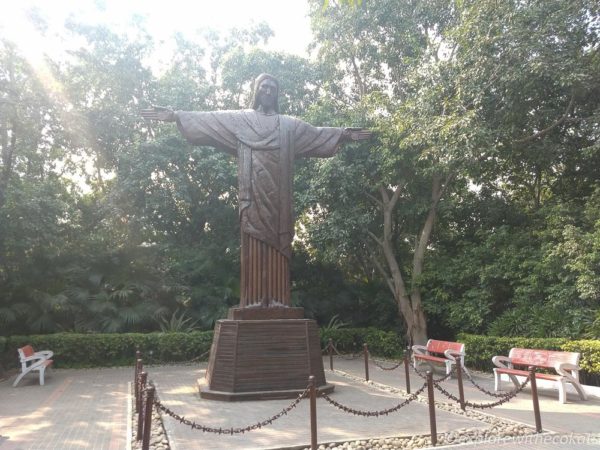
x: 33, y: 361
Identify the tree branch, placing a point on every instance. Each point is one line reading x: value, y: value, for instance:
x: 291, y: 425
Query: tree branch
x: 375, y: 199
x: 395, y: 197
x: 359, y: 80
x: 376, y: 239
x: 444, y: 186
x: 545, y: 131
x: 382, y: 271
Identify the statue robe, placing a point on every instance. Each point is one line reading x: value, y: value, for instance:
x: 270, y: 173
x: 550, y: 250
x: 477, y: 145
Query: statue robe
x: 266, y: 146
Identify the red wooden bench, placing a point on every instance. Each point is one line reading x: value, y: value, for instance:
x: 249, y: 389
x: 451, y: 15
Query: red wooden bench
x: 33, y: 361
x: 443, y: 352
x: 565, y: 364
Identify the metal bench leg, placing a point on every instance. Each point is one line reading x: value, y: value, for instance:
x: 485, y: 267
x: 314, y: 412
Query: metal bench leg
x: 448, y: 367
x: 515, y: 380
x: 562, y: 391
x: 580, y: 391
x: 497, y: 381
x: 42, y: 370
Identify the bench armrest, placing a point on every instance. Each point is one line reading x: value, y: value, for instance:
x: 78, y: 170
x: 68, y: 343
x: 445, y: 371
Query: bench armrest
x: 503, y: 362
x: 44, y: 354
x: 567, y: 370
x: 453, y: 354
x: 419, y: 349
x: 39, y: 363
x: 34, y: 357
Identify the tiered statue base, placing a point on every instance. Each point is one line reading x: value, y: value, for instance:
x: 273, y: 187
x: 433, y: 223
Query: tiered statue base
x: 253, y: 359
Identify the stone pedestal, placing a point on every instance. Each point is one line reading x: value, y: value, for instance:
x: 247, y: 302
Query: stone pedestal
x: 253, y: 359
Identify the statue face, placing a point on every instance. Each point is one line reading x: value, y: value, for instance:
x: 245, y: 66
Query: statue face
x: 267, y: 95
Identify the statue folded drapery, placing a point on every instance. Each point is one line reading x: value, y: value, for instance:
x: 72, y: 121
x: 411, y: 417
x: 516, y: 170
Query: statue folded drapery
x: 266, y: 144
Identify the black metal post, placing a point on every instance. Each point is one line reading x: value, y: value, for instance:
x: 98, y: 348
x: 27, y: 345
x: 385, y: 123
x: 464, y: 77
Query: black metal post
x: 406, y: 371
x: 431, y: 401
x: 459, y: 379
x: 148, y: 403
x: 136, y: 381
x: 330, y: 350
x: 313, y: 412
x: 536, y: 403
x: 366, y: 354
x: 140, y: 405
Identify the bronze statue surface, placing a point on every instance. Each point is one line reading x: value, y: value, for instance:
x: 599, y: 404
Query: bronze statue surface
x: 266, y: 144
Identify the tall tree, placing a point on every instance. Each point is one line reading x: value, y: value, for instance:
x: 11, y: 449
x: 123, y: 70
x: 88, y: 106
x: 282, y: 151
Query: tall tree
x: 465, y: 94
x: 395, y: 74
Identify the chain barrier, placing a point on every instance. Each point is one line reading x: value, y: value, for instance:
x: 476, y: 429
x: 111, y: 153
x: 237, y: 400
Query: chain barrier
x: 469, y: 377
x: 232, y: 431
x: 438, y: 380
x: 481, y: 389
x: 376, y: 363
x: 505, y: 398
x: 350, y: 357
x: 383, y: 412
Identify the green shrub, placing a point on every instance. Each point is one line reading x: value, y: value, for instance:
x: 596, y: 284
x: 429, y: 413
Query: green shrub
x: 590, y: 359
x: 72, y: 350
x: 481, y: 349
x: 103, y: 350
x: 351, y: 340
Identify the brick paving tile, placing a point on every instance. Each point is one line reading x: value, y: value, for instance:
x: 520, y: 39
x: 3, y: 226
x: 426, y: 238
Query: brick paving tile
x: 571, y: 426
x: 177, y: 390
x: 86, y: 409
x: 75, y: 409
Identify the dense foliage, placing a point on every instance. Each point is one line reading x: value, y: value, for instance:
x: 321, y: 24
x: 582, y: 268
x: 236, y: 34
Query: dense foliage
x: 476, y: 208
x: 76, y: 350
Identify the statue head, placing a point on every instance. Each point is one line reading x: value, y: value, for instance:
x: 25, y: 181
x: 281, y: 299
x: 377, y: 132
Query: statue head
x: 266, y: 93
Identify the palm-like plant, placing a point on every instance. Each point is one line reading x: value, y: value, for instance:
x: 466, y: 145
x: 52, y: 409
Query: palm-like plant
x: 119, y: 292
x: 177, y: 323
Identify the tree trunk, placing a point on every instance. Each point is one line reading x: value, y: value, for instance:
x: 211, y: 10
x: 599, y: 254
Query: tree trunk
x: 410, y: 305
x: 418, y: 333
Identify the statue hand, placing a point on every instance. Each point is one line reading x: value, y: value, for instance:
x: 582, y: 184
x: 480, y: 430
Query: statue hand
x: 159, y: 113
x: 357, y: 134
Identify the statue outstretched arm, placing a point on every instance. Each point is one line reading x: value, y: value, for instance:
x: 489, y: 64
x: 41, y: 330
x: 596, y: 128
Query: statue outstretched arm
x: 356, y: 134
x: 159, y: 113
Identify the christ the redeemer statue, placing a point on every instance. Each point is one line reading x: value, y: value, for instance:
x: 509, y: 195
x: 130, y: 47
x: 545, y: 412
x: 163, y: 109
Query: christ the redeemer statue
x: 266, y: 144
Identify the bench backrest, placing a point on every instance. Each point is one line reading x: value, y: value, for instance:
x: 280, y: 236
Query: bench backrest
x: 26, y: 352
x: 434, y: 346
x: 541, y: 358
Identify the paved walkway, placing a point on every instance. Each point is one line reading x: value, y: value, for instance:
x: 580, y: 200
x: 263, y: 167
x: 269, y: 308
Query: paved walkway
x: 87, y: 409
x: 576, y: 416
x: 177, y: 391
x: 574, y: 425
x: 75, y: 409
